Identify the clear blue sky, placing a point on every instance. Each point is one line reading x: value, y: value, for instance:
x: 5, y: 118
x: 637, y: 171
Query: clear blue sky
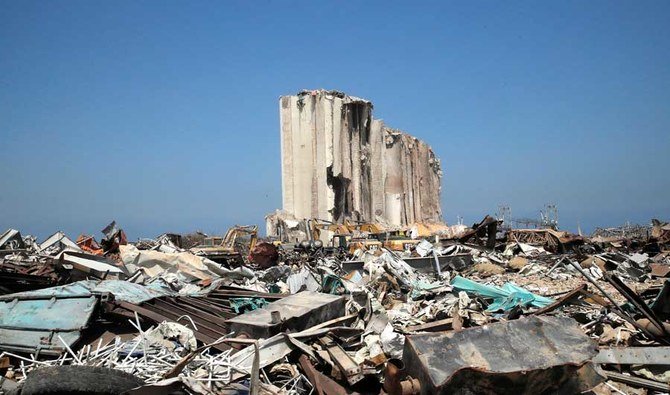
x: 163, y: 115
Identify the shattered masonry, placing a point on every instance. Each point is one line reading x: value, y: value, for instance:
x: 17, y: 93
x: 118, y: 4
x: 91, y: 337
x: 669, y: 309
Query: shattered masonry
x: 473, y: 311
x: 338, y: 163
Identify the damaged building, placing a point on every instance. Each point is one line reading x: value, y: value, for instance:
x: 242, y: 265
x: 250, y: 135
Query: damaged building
x: 339, y: 163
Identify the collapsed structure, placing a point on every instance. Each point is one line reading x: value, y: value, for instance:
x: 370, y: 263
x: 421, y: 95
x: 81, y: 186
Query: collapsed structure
x: 474, y: 312
x: 339, y: 163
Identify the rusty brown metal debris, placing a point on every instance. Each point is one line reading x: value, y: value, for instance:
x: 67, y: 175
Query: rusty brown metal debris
x: 348, y: 318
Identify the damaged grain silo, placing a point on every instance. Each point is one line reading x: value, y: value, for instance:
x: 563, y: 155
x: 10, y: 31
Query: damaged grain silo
x: 339, y: 163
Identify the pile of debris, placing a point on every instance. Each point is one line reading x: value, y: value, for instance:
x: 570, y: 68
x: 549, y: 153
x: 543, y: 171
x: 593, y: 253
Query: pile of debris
x: 424, y: 309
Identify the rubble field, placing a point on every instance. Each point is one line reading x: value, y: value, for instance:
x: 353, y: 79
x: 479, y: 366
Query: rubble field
x: 421, y: 309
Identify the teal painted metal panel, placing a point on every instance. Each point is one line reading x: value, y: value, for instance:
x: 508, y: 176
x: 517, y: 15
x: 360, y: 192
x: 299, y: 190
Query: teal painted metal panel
x: 54, y: 313
x: 34, y: 323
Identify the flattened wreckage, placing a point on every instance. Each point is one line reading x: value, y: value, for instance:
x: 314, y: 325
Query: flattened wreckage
x: 373, y: 321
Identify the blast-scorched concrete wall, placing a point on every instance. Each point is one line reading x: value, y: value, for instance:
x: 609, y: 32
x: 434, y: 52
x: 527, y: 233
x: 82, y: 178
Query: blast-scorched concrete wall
x: 339, y: 163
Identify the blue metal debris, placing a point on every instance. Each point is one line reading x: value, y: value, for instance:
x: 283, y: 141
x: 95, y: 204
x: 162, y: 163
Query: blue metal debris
x: 33, y: 323
x: 333, y: 285
x: 242, y: 305
x: 123, y: 291
x: 79, y: 288
x: 505, y: 298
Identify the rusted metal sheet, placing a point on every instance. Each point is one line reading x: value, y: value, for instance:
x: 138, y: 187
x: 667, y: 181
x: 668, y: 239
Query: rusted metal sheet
x: 661, y: 305
x: 349, y: 368
x: 207, y: 320
x: 487, y: 228
x: 396, y: 381
x: 226, y: 292
x: 205, y: 315
x: 640, y: 304
x: 323, y: 384
x: 552, y: 240
x: 638, y: 382
x: 659, y: 269
x: 19, y: 282
x: 527, y: 356
x: 28, y: 275
x: 264, y: 255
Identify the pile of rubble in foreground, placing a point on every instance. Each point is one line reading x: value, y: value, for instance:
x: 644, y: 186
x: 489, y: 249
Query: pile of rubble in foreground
x: 524, y: 312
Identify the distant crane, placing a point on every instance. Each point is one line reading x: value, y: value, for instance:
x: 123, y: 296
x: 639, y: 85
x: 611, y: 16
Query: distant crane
x: 548, y: 218
x: 504, y: 215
